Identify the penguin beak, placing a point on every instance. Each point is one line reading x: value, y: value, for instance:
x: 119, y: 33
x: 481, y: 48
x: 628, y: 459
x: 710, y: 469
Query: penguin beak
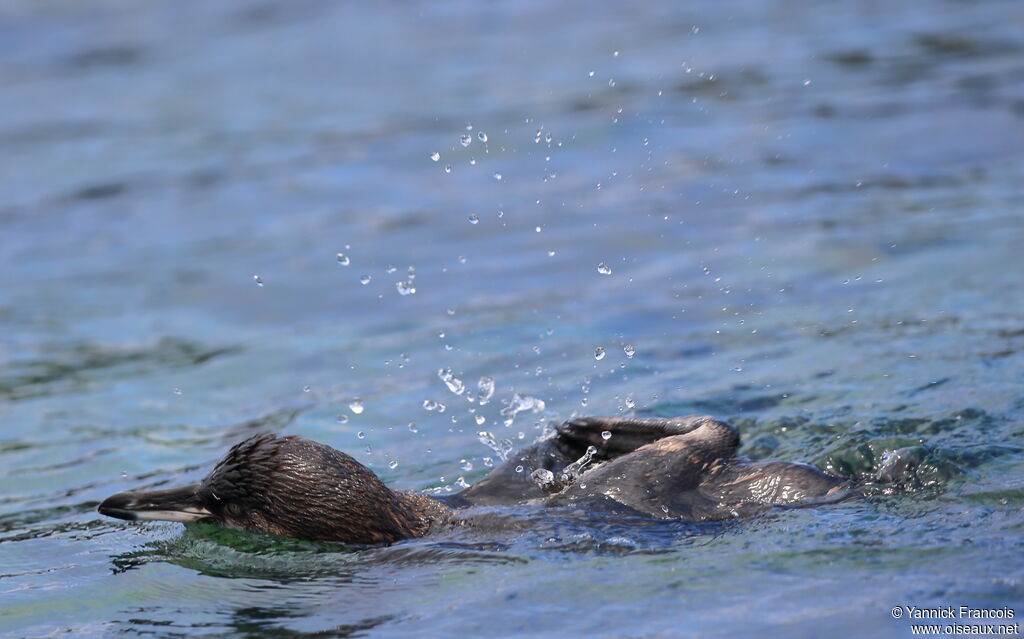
x: 174, y: 504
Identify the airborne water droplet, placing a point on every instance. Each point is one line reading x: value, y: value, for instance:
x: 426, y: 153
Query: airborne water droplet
x: 413, y: 427
x: 341, y: 419
x: 497, y: 176
x: 482, y: 137
x: 361, y: 435
x: 606, y: 435
x: 258, y: 280
x: 599, y: 353
x: 356, y: 406
x: 343, y: 259
x: 365, y: 279
x: 405, y: 288
x: 465, y: 139
x: 393, y: 464
x: 604, y: 269
x: 474, y: 219
x: 435, y: 156
x: 447, y: 168
x: 629, y: 350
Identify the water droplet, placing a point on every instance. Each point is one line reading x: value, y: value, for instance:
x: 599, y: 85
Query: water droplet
x: 177, y: 391
x: 466, y: 465
x: 604, y: 269
x: 405, y: 288
x: 485, y: 388
x: 480, y: 419
x: 599, y: 353
x: 390, y: 268
x: 606, y: 435
x: 551, y: 253
x: 520, y: 403
x: 413, y: 428
x: 590, y: 74
x: 664, y: 509
x: 482, y: 137
x: 488, y: 462
x: 497, y: 176
x: 453, y: 383
x: 519, y: 469
x: 474, y: 219
x: 615, y: 54
x: 465, y: 139
x: 365, y: 279
x: 611, y: 82
x: 807, y: 82
x: 630, y: 403
x: 361, y: 435
x: 343, y: 259
x: 258, y: 280
x: 306, y: 389
x: 341, y: 419
x: 356, y: 406
x: 447, y: 168
x: 393, y: 464
x: 435, y: 156
x: 629, y: 350
x: 545, y: 479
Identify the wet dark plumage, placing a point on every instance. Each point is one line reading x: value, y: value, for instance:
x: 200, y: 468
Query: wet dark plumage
x: 680, y: 468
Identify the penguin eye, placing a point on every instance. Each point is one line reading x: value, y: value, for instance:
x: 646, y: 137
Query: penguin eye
x: 234, y: 509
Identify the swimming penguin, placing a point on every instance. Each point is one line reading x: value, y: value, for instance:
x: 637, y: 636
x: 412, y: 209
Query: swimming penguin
x: 682, y: 468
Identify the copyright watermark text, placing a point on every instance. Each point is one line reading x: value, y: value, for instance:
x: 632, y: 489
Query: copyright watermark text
x: 959, y: 620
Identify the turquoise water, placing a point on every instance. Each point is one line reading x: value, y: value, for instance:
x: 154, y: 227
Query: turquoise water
x: 812, y: 215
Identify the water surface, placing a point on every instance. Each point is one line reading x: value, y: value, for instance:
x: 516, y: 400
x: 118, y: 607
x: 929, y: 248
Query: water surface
x: 811, y: 215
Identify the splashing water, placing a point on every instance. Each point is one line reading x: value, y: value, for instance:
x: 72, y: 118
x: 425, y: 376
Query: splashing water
x: 453, y: 383
x: 518, y: 404
x: 502, y: 449
x: 572, y: 472
x: 545, y: 480
x: 485, y: 390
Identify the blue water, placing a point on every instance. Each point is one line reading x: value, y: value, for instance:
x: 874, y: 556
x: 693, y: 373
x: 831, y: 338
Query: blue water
x: 812, y: 215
